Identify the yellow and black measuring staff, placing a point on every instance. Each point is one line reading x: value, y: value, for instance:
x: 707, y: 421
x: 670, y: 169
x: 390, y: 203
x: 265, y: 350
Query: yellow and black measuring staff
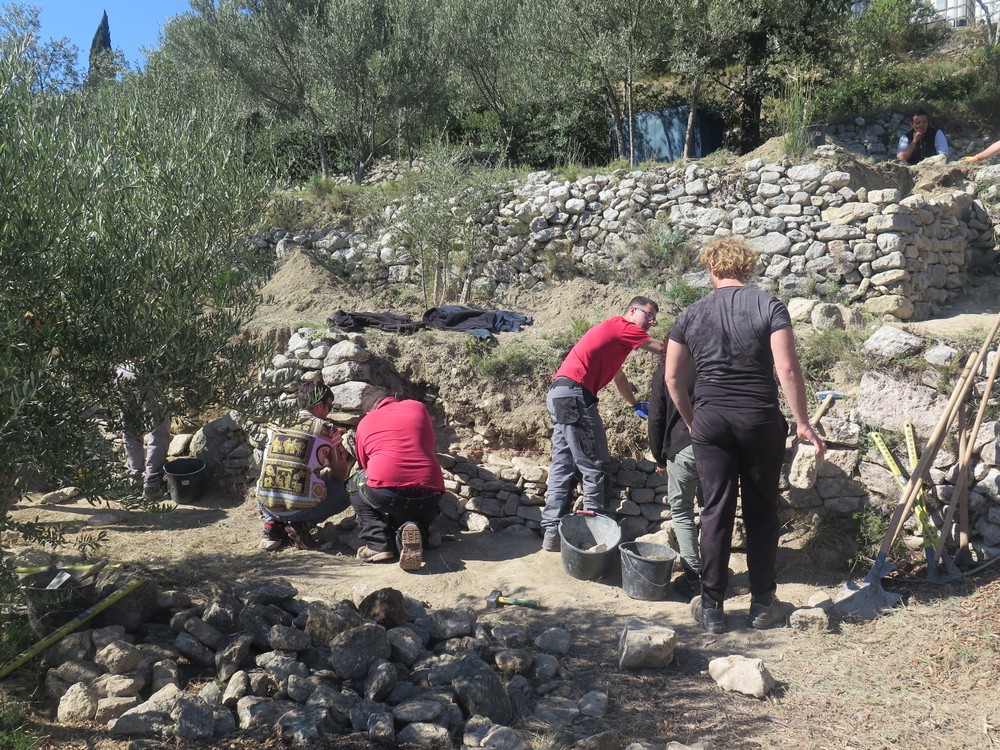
x: 928, y: 530
x: 70, y: 626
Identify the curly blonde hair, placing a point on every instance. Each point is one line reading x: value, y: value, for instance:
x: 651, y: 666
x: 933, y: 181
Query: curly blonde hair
x: 730, y: 258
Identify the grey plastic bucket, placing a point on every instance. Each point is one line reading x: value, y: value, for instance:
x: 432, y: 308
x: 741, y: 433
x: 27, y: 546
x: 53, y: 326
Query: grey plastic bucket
x: 586, y: 544
x: 646, y: 569
x: 185, y: 479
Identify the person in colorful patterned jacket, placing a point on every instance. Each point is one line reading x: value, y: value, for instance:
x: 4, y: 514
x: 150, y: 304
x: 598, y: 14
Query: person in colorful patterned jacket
x: 302, y: 473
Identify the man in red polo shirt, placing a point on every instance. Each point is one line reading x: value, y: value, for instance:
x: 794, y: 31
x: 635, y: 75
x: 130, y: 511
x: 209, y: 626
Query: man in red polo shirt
x: 396, y: 495
x: 579, y: 445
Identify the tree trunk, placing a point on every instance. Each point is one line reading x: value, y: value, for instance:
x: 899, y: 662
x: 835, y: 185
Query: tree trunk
x: 361, y: 158
x: 324, y: 157
x: 692, y: 119
x: 631, y: 120
x: 991, y: 28
x: 750, y: 113
x: 619, y: 125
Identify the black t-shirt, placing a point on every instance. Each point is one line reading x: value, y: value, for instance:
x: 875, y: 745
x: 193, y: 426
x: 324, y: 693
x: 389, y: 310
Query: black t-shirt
x: 729, y: 336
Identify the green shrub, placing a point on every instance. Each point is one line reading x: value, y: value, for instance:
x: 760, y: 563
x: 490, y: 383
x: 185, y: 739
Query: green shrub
x: 685, y: 294
x: 669, y: 247
x: 15, y: 731
x: 828, y: 351
x: 499, y: 365
x: 794, y: 112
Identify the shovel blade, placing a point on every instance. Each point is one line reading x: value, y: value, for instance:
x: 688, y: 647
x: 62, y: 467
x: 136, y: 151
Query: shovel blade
x: 943, y: 571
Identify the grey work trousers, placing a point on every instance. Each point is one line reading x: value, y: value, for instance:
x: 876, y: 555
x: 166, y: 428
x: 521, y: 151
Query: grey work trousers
x: 145, y: 461
x: 682, y: 490
x: 579, y: 452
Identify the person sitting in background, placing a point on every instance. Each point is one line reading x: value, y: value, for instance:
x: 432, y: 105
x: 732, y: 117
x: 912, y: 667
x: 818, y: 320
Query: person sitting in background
x: 670, y: 444
x: 303, y: 472
x: 987, y: 153
x: 396, y: 495
x: 922, y: 141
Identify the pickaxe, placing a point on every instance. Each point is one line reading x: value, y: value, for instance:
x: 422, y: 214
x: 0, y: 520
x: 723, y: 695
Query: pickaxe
x: 497, y: 599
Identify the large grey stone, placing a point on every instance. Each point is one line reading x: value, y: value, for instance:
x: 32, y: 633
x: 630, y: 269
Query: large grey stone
x: 79, y: 703
x: 479, y: 690
x: 889, y: 342
x: 886, y: 403
x: 354, y: 651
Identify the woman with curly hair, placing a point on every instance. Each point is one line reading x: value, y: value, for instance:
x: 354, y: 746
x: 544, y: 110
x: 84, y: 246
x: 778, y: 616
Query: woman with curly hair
x: 738, y: 338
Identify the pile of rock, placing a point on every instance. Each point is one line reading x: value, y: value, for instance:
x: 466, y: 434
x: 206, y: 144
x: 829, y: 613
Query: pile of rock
x: 254, y: 656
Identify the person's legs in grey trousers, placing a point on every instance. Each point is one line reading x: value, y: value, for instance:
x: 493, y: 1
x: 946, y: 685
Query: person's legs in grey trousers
x: 145, y: 462
x: 157, y: 443
x: 682, y: 489
x: 579, y: 449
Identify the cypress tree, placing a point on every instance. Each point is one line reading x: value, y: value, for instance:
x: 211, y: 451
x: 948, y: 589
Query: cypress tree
x: 101, y: 54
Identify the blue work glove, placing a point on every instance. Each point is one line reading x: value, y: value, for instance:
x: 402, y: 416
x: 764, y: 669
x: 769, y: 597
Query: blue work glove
x: 642, y: 409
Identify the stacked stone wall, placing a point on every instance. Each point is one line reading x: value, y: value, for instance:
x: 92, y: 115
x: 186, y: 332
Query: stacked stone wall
x: 819, y: 230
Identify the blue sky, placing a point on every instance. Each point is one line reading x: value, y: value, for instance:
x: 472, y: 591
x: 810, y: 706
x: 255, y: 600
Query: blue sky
x: 134, y: 23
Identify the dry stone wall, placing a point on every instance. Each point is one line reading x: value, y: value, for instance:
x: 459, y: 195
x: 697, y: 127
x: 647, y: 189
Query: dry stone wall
x: 819, y: 230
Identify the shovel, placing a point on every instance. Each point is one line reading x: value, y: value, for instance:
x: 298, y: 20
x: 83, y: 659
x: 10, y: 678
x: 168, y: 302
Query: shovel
x: 868, y: 599
x: 960, y: 494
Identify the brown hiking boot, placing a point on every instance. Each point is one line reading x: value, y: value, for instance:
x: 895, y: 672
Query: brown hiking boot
x: 411, y: 547
x: 300, y: 535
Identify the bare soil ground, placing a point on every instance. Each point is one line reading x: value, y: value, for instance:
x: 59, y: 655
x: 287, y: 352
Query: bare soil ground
x: 923, y: 676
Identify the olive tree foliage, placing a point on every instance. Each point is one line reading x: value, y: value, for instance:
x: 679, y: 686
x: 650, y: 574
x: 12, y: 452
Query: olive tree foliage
x: 494, y: 64
x: 385, y: 69
x: 885, y: 30
x: 440, y: 216
x: 747, y: 50
x: 263, y: 47
x: 602, y: 46
x: 119, y: 243
x: 367, y: 72
x: 53, y: 63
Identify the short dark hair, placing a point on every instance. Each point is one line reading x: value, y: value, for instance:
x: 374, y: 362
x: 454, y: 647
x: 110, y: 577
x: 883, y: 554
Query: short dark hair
x: 641, y: 301
x: 919, y: 113
x: 310, y: 394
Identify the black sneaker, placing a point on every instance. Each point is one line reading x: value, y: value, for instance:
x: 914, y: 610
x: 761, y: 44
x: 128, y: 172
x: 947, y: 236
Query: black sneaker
x: 764, y: 616
x: 713, y: 619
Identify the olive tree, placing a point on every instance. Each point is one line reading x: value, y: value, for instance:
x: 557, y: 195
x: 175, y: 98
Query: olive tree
x: 602, y: 47
x: 119, y: 243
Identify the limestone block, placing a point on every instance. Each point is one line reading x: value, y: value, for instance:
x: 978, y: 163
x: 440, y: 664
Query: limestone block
x: 742, y: 675
x: 645, y: 645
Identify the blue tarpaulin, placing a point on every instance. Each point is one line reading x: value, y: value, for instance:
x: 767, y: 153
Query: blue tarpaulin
x: 659, y: 136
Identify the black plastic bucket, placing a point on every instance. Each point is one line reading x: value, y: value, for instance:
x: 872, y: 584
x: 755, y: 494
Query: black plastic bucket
x: 50, y: 609
x: 646, y: 569
x: 586, y: 544
x: 185, y: 479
